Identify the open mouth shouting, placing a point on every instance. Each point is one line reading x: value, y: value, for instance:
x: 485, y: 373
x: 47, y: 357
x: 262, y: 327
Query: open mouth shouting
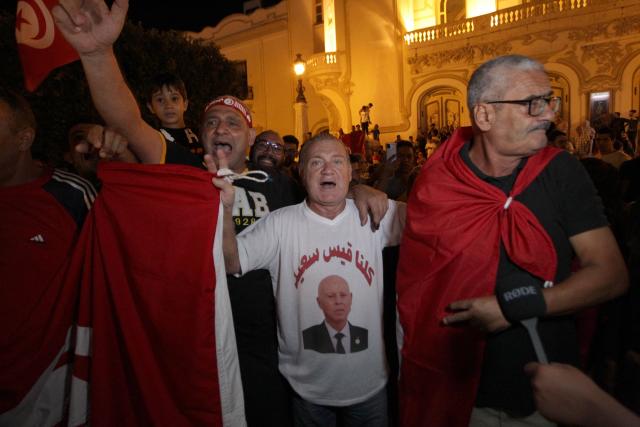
x: 222, y: 146
x: 327, y: 184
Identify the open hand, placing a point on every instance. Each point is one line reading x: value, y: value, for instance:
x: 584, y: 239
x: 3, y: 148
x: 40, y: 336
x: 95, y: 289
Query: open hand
x: 89, y: 25
x: 481, y: 313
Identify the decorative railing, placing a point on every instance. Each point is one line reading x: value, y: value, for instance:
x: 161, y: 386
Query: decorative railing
x: 328, y: 62
x: 517, y: 14
x: 320, y: 60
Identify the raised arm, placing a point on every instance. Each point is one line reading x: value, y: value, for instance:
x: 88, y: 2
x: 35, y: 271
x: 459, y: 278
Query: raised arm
x: 92, y: 28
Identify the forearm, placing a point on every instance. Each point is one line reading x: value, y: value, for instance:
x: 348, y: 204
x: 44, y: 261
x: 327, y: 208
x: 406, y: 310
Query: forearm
x: 602, y: 276
x: 118, y: 107
x: 607, y: 412
x: 230, y: 244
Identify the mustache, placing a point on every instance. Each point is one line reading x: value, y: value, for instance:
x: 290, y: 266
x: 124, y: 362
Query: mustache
x: 541, y: 126
x: 266, y: 157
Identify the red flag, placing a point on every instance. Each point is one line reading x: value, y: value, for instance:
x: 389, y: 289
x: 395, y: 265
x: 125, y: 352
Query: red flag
x: 153, y: 304
x: 41, y: 46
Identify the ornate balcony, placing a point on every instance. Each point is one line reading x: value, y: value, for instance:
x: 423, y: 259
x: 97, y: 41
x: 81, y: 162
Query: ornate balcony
x: 321, y: 63
x: 517, y: 15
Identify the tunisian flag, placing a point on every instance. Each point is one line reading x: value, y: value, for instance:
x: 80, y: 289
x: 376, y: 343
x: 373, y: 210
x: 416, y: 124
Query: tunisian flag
x: 449, y: 252
x: 41, y: 46
x: 155, y: 342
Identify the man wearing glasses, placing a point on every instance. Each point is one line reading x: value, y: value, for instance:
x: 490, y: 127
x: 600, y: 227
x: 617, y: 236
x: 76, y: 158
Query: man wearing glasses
x: 495, y: 208
x: 267, y: 152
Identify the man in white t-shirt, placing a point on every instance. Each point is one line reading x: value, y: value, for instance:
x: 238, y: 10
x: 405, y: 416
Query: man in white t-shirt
x: 313, y: 251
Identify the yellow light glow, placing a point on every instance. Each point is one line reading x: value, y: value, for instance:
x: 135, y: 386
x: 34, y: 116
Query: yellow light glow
x: 329, y: 16
x: 298, y: 68
x: 405, y: 8
x: 480, y: 7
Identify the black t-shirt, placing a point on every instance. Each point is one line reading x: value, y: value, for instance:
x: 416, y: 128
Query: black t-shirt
x: 565, y: 202
x: 184, y: 137
x: 630, y: 174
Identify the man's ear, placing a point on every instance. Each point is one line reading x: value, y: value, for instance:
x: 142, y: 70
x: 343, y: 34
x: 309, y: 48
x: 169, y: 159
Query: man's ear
x: 484, y: 116
x: 186, y: 105
x: 150, y: 108
x: 25, y: 138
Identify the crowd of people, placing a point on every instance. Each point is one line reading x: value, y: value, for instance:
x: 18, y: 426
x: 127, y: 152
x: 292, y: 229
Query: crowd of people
x: 356, y: 282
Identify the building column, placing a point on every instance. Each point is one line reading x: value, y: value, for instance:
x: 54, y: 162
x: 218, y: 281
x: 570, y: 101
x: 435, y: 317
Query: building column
x: 301, y: 120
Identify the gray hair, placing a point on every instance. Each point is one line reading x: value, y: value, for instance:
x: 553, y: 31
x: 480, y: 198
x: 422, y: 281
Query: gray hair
x: 487, y: 81
x: 322, y: 137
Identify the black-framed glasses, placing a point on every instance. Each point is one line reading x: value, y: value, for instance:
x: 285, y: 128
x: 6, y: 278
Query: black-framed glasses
x: 536, y: 105
x: 264, y: 145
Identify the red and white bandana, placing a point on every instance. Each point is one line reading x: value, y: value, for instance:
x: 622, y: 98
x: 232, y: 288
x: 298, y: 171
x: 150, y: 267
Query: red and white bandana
x: 231, y: 102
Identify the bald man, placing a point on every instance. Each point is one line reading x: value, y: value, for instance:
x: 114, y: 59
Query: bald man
x: 333, y: 334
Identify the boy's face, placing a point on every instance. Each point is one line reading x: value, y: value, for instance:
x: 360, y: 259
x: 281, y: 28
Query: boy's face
x: 168, y: 106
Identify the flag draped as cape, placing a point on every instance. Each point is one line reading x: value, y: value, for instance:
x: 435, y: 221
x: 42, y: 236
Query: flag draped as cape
x: 449, y: 252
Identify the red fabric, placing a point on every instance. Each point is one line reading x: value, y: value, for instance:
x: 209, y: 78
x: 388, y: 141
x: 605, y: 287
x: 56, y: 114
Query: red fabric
x: 41, y: 46
x: 147, y: 293
x: 356, y: 142
x: 36, y: 305
x: 449, y: 252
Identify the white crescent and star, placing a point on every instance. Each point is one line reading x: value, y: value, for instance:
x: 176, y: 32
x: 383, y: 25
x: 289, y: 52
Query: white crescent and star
x: 34, y: 24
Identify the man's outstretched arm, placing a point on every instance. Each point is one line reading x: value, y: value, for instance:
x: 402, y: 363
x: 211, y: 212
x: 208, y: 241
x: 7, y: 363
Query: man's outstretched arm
x: 92, y: 28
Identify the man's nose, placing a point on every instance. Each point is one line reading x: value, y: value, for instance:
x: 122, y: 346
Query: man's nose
x: 221, y: 127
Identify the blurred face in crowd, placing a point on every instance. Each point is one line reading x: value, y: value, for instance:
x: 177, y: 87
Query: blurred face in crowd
x: 169, y: 106
x: 16, y: 137
x: 431, y: 147
x: 224, y: 128
x: 9, y: 150
x: 334, y: 300
x: 406, y: 159
x: 290, y: 153
x: 268, y: 151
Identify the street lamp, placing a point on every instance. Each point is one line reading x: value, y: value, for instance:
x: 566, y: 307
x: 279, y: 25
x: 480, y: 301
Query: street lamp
x: 299, y: 68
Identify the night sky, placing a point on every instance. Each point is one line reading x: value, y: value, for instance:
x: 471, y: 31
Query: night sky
x: 191, y: 15
x: 184, y: 15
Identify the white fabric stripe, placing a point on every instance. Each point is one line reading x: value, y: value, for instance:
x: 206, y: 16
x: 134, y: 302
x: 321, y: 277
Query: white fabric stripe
x: 83, y: 341
x: 77, y: 178
x: 86, y: 194
x: 231, y: 396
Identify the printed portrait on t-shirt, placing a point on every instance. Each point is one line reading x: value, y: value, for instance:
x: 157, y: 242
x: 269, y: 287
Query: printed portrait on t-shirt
x: 335, y: 334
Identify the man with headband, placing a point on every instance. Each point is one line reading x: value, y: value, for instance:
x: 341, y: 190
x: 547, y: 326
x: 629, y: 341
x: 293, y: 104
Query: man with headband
x: 227, y: 126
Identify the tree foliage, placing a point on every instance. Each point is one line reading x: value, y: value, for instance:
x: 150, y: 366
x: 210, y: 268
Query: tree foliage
x: 63, y: 98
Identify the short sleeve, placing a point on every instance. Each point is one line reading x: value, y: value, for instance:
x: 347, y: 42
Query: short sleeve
x: 258, y: 244
x: 581, y: 207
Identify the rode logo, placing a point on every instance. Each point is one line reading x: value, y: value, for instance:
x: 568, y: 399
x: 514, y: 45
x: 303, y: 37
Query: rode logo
x: 520, y: 292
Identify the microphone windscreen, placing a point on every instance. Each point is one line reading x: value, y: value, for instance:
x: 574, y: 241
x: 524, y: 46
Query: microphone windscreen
x: 521, y: 302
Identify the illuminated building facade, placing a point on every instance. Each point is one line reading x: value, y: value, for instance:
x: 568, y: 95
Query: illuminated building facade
x: 412, y: 58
